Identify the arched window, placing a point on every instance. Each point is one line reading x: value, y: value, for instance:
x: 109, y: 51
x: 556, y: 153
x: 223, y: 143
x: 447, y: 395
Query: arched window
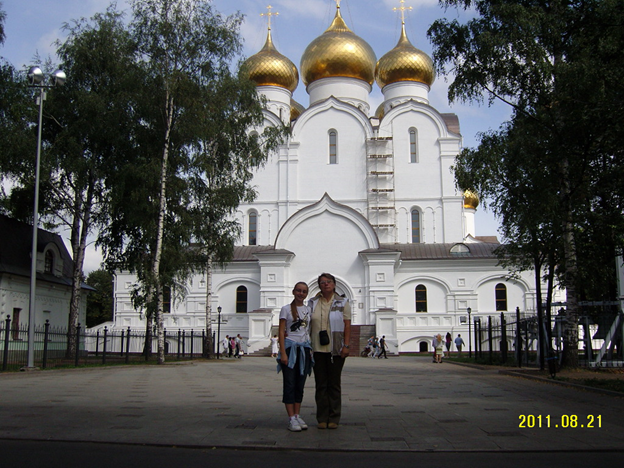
x: 501, y: 297
x: 166, y: 299
x: 253, y: 226
x: 48, y: 265
x: 333, y: 147
x: 413, y: 135
x: 421, y: 298
x: 415, y: 227
x: 241, y: 299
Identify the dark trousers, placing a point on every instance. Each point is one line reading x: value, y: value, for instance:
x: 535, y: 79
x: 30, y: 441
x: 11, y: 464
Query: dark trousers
x: 294, y: 383
x: 328, y: 390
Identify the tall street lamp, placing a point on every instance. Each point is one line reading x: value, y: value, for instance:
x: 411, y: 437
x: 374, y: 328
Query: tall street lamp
x: 469, y: 310
x: 35, y: 80
x: 218, y: 331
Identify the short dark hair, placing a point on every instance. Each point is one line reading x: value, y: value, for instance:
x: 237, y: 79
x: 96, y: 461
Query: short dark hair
x: 326, y: 275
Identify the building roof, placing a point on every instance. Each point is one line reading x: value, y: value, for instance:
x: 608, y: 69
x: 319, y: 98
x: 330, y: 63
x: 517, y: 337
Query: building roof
x: 16, y: 245
x: 483, y: 250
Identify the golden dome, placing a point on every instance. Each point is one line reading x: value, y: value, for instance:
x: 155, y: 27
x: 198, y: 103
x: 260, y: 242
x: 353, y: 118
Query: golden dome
x: 404, y: 63
x: 338, y: 52
x: 471, y: 199
x: 270, y: 68
x: 380, y: 112
x: 296, y: 109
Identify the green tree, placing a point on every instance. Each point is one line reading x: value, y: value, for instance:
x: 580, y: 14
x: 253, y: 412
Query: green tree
x: 170, y: 208
x: 556, y: 63
x: 100, y: 301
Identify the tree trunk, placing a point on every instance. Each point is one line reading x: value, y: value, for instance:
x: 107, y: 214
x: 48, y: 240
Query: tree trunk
x: 208, y: 342
x: 160, y: 231
x: 79, y: 232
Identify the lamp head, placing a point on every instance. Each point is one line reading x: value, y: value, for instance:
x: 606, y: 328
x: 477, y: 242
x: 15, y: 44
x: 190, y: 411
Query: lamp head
x: 219, y: 309
x: 58, y: 78
x: 35, y: 76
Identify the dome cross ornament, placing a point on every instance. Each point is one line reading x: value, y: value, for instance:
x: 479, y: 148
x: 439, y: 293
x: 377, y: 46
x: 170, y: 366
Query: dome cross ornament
x: 270, y: 14
x: 402, y: 9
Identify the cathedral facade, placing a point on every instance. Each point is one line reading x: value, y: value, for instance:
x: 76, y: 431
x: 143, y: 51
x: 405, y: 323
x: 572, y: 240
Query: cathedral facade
x: 367, y: 195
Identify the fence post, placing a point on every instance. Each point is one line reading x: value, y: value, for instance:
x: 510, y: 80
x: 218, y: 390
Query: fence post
x: 128, y: 346
x: 518, y: 339
x: 5, y: 356
x: 191, y: 344
x: 104, y: 345
x: 179, y: 334
x: 77, y: 345
x: 122, y: 341
x: 503, y: 338
x: 490, y: 338
x: 44, y: 363
x: 97, y: 343
x: 183, y: 343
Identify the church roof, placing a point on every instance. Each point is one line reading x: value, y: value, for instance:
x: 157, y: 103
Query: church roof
x: 245, y: 253
x: 16, y: 246
x: 442, y: 251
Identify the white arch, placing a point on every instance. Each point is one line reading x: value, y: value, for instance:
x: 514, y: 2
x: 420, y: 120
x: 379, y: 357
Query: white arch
x: 326, y: 204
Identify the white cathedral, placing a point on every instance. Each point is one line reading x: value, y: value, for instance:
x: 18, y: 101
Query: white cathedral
x: 368, y: 197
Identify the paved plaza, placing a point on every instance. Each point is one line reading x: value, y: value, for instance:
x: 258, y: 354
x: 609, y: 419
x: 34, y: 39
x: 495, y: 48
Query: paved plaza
x: 398, y: 404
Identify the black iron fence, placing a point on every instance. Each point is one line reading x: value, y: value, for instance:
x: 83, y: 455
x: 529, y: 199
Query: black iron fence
x: 93, y: 347
x: 516, y: 340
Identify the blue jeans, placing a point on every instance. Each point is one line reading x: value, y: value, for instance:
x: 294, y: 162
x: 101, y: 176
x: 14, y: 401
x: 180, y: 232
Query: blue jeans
x: 294, y: 382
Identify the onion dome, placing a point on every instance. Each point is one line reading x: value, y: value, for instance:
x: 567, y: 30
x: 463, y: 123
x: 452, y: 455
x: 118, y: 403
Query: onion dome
x: 404, y: 63
x: 338, y: 52
x: 270, y: 68
x: 296, y: 109
x: 380, y: 112
x: 471, y: 199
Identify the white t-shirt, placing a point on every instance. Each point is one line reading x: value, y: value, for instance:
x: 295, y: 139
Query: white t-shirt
x: 302, y: 335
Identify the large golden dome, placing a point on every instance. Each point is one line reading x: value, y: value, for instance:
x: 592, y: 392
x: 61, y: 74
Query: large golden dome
x: 338, y: 52
x: 270, y: 68
x: 471, y: 199
x: 404, y: 63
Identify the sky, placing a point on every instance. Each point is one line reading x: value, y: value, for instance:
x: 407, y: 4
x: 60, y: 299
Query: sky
x: 32, y: 27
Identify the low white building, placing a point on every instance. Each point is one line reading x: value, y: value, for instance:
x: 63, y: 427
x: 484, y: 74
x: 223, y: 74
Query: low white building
x: 367, y: 197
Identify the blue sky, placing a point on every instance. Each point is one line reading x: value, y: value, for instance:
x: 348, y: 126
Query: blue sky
x: 32, y: 26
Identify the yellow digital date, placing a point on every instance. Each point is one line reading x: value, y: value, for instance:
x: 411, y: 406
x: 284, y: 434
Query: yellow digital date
x: 531, y: 421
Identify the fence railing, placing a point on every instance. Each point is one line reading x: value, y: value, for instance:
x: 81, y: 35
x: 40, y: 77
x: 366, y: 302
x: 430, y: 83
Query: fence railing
x: 516, y: 340
x: 100, y: 347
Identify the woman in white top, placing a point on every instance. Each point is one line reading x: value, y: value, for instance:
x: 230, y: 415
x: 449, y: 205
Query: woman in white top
x: 295, y: 354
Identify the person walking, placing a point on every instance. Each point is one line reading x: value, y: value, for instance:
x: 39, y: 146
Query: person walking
x: 382, y: 347
x: 448, y: 341
x: 295, y: 354
x: 330, y: 336
x: 274, y: 346
x: 439, y: 349
x: 459, y: 343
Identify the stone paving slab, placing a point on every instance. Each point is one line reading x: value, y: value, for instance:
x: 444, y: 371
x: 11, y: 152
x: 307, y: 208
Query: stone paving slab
x: 399, y: 404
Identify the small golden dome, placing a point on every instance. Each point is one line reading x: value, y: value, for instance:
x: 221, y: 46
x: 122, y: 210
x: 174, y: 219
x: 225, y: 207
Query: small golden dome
x: 270, y: 68
x: 296, y: 109
x: 404, y: 63
x: 338, y: 52
x: 471, y: 199
x: 380, y: 112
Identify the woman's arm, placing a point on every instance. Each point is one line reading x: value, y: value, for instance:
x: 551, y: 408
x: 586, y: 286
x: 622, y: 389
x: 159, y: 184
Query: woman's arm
x: 282, y: 336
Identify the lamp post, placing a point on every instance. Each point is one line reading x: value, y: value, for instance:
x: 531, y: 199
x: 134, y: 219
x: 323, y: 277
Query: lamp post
x: 35, y: 80
x: 469, y: 310
x: 218, y: 331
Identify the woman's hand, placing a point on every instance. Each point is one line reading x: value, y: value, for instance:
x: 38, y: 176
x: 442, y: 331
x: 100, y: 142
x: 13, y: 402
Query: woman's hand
x: 284, y: 358
x: 344, y: 352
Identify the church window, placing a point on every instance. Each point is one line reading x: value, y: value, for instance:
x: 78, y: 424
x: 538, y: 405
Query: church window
x: 166, y: 293
x: 501, y: 297
x: 415, y: 227
x: 421, y: 298
x: 48, y: 266
x: 253, y: 226
x: 413, y: 135
x: 241, y: 299
x: 460, y: 250
x: 333, y: 147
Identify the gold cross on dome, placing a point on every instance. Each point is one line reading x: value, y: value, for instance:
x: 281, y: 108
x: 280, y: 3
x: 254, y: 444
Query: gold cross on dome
x: 269, y: 15
x: 402, y: 9
x: 338, y: 3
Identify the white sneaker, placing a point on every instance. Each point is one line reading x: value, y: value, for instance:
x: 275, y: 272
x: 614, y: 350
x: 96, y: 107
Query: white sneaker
x: 293, y: 425
x: 302, y: 423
